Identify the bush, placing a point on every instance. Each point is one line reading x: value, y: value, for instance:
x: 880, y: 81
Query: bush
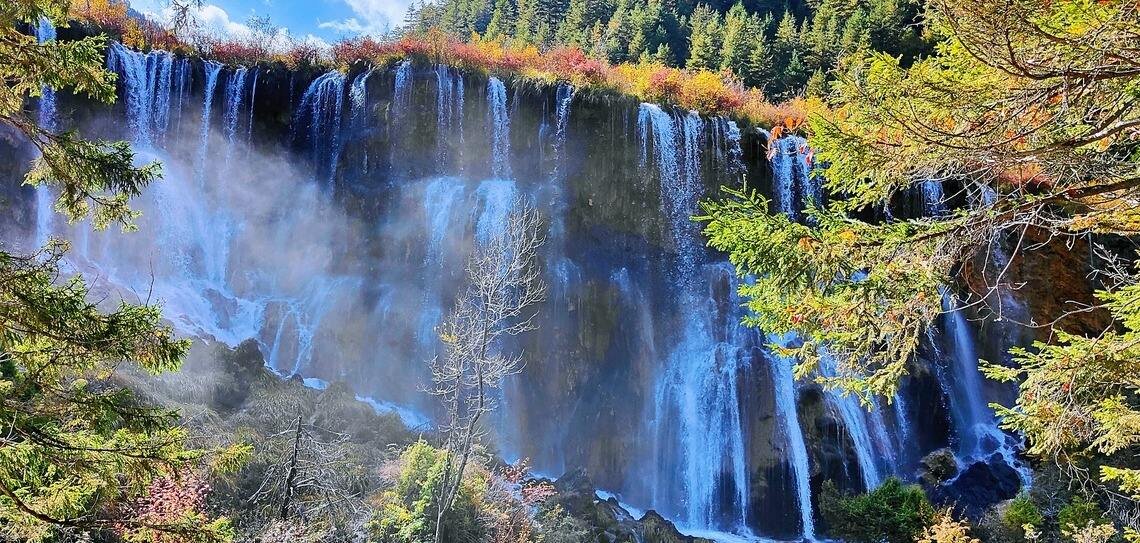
x: 558, y: 527
x: 406, y: 513
x: 1080, y: 513
x: 1021, y: 511
x: 894, y: 512
x: 946, y: 529
x: 493, y: 506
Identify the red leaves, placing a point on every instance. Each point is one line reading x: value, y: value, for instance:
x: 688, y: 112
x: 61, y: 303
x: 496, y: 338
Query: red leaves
x: 168, y: 500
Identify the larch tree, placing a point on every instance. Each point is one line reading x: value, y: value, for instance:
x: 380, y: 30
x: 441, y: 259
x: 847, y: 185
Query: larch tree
x: 76, y: 451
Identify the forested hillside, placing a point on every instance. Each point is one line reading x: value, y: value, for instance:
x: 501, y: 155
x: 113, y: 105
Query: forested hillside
x: 784, y: 48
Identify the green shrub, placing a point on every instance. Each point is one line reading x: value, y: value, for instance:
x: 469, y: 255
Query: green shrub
x: 406, y: 513
x: 1079, y: 513
x: 894, y: 512
x: 1021, y: 511
x: 558, y: 527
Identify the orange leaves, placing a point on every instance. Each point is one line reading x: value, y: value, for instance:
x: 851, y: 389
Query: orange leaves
x: 1028, y: 174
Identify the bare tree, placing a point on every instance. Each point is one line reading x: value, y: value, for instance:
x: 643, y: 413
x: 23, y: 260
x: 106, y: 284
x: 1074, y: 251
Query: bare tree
x: 311, y: 472
x: 504, y: 285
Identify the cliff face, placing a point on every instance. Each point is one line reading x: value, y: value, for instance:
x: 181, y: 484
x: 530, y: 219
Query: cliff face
x: 329, y: 217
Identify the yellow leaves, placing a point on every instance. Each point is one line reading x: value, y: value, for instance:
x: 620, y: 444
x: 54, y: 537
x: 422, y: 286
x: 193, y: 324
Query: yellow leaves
x: 848, y: 237
x: 805, y: 244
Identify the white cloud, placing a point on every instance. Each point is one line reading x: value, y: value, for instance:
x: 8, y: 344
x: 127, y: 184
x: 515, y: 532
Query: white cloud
x: 316, y: 41
x: 370, y: 17
x: 215, y: 21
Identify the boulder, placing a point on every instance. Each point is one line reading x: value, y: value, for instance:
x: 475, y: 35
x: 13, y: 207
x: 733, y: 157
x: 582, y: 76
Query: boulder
x: 657, y: 529
x: 938, y: 467
x: 978, y: 487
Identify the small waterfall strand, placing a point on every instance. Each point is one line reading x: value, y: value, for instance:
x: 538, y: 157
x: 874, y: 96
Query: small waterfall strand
x: 500, y: 122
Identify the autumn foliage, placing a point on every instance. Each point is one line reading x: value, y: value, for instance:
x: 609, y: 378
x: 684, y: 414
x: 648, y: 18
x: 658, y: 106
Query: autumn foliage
x: 703, y: 91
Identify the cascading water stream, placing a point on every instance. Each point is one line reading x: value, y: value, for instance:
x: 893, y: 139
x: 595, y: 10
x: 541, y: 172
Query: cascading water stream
x: 252, y: 101
x: 45, y: 32
x: 500, y: 122
x: 449, y: 111
x: 791, y: 175
x: 441, y: 198
x: 563, y: 98
x: 322, y: 106
x: 231, y: 105
x: 855, y: 422
x: 697, y: 394
x: 784, y: 382
x: 978, y: 435
x: 213, y: 69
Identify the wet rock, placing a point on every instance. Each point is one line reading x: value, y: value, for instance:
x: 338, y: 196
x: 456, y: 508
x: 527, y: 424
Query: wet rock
x: 576, y: 493
x: 978, y: 487
x: 656, y: 529
x: 938, y: 467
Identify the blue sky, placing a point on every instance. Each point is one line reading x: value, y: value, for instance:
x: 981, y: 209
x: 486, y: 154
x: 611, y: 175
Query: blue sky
x: 327, y: 20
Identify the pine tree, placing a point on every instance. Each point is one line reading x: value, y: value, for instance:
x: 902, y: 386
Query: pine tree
x: 502, y: 21
x: 705, y: 39
x: 618, y: 34
x: 759, y: 68
x: 572, y: 31
x: 740, y: 37
x: 527, y: 22
x: 664, y: 55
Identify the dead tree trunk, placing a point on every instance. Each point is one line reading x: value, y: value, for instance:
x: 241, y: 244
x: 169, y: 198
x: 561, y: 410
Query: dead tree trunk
x: 291, y: 476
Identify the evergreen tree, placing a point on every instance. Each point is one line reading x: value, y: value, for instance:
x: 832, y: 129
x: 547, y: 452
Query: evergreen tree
x: 664, y: 55
x: 618, y: 34
x: 76, y: 448
x: 502, y: 20
x: 759, y: 68
x: 573, y: 28
x: 705, y: 39
x: 740, y: 37
x: 526, y: 25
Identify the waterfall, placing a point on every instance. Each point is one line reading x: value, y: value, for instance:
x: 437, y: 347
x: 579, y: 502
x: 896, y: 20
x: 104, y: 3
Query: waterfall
x: 252, y: 97
x: 726, y: 144
x: 500, y: 122
x: 440, y: 199
x: 449, y: 111
x: 657, y: 133
x: 45, y: 32
x: 697, y: 397
x: 783, y: 379
x: 402, y: 92
x: 697, y: 393
x: 150, y: 83
x: 231, y: 106
x: 212, y: 70
x: 794, y: 186
x: 358, y: 96
x: 854, y: 421
x: 932, y: 198
x: 183, y: 85
x: 977, y: 430
x: 563, y: 97
x: 322, y: 105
